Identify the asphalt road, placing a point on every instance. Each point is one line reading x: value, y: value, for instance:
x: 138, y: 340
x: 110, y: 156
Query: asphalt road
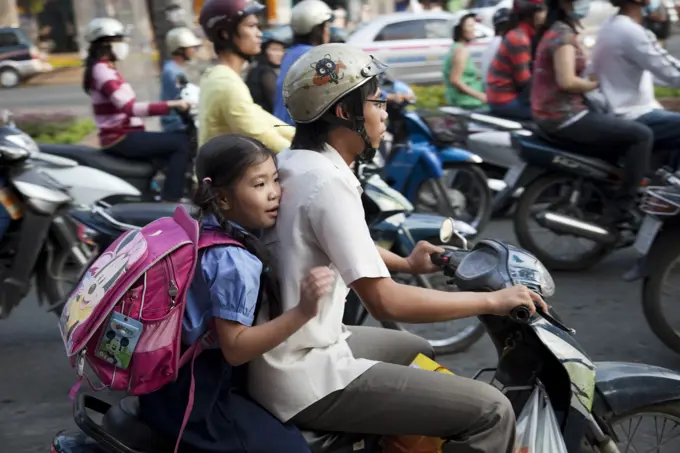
x: 35, y: 377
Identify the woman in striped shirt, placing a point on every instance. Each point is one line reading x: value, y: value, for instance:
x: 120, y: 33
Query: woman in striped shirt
x: 118, y: 113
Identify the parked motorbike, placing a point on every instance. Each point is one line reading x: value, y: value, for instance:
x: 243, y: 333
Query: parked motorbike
x: 146, y: 176
x: 591, y: 400
x: 40, y: 241
x: 658, y: 241
x: 392, y: 223
x: 422, y: 164
x: 566, y: 192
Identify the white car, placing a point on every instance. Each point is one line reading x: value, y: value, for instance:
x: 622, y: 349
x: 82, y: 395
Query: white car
x: 414, y: 45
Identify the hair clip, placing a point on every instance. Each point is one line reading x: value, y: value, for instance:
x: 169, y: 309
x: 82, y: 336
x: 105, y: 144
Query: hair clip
x: 207, y: 180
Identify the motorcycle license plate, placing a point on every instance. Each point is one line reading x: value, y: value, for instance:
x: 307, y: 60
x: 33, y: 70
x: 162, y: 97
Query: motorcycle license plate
x: 513, y: 175
x: 645, y: 237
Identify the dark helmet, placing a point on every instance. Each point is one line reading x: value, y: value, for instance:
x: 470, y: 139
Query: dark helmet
x: 520, y: 6
x: 224, y: 15
x: 278, y: 36
x: 501, y: 16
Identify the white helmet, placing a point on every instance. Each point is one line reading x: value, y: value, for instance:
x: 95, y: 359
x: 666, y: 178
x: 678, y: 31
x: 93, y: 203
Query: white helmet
x: 104, y: 27
x: 181, y: 38
x: 308, y: 14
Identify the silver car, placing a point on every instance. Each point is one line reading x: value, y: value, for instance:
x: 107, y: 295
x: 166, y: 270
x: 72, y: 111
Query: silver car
x: 414, y: 45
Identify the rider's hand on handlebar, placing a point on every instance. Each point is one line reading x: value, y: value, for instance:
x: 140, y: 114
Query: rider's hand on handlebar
x: 420, y: 261
x: 503, y: 301
x: 179, y: 104
x: 317, y: 284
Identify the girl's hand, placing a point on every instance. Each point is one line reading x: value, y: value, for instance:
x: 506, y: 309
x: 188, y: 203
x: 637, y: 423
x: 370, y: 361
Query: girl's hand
x: 503, y: 301
x: 317, y: 284
x: 179, y: 104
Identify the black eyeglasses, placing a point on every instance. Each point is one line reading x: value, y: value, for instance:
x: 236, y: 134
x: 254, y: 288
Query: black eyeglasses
x: 381, y: 103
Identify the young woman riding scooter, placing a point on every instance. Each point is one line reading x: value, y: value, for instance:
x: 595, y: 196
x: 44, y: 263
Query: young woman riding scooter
x: 117, y: 111
x: 329, y: 378
x: 560, y: 109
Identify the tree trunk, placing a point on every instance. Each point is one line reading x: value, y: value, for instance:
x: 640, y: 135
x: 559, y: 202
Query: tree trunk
x: 166, y: 15
x: 9, y: 17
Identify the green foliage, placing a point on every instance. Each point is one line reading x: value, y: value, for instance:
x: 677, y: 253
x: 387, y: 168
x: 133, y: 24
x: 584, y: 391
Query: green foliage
x: 60, y: 128
x: 432, y: 96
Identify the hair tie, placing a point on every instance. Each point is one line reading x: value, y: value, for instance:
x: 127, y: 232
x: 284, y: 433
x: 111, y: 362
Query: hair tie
x: 207, y: 180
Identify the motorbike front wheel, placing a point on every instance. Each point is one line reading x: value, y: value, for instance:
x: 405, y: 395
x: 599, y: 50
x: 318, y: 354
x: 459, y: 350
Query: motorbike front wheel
x: 663, y: 258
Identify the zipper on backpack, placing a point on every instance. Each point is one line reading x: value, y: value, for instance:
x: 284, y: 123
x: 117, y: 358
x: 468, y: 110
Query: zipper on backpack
x: 173, y: 290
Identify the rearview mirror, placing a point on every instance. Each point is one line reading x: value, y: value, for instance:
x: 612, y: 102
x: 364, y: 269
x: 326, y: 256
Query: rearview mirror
x: 448, y: 234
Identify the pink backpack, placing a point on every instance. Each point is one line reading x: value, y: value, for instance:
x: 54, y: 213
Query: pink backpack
x: 125, y: 316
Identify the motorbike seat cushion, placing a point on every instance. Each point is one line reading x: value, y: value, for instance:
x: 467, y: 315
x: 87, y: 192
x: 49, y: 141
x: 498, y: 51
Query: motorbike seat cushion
x: 99, y: 159
x: 540, y: 143
x: 141, y: 214
x: 123, y: 423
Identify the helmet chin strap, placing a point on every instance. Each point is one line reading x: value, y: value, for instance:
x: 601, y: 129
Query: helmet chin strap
x: 357, y: 126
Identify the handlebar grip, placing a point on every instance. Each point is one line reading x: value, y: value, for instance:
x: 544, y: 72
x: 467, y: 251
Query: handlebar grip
x: 521, y: 314
x: 439, y: 259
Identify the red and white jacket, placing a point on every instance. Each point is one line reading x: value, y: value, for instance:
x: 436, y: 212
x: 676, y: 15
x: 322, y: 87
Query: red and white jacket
x: 115, y: 107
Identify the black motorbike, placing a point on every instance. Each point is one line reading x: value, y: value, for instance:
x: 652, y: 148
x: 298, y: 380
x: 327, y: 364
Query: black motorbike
x: 39, y: 242
x: 567, y: 193
x: 146, y: 175
x: 658, y: 242
x: 591, y: 400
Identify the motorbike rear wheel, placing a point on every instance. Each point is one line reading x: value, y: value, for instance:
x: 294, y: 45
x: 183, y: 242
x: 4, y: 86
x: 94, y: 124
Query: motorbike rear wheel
x: 664, y: 254
x: 526, y: 208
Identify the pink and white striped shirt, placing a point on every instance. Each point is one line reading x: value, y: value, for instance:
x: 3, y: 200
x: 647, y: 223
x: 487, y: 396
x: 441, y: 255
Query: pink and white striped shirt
x: 115, y: 107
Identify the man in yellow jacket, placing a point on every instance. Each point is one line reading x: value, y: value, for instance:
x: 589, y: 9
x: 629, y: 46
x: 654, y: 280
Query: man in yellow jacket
x: 226, y: 104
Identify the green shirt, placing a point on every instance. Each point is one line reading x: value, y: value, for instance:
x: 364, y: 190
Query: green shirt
x: 470, y: 77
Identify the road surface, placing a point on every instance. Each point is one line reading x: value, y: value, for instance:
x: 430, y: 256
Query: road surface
x: 36, y: 377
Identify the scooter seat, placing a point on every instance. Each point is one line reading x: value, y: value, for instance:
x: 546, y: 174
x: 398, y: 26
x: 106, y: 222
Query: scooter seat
x: 542, y: 150
x: 122, y: 422
x: 96, y: 158
x: 140, y: 214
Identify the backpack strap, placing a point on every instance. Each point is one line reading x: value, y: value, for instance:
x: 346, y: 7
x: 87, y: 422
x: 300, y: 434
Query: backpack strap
x: 208, y: 238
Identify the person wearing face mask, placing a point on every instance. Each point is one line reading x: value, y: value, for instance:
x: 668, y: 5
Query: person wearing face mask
x: 311, y: 24
x: 462, y: 81
x: 182, y: 44
x: 227, y: 106
x: 560, y: 109
x: 627, y: 58
x: 262, y: 76
x: 508, y: 81
x: 118, y: 113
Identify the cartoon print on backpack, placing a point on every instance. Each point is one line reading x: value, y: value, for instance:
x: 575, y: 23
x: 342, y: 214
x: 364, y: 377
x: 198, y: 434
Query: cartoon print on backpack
x: 108, y: 268
x: 119, y: 340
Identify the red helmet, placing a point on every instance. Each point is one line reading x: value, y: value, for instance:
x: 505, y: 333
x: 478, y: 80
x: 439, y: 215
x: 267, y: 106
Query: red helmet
x: 223, y: 15
x: 528, y: 5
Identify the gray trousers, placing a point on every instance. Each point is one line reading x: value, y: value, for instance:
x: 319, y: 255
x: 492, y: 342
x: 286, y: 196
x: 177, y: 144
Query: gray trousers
x: 394, y: 399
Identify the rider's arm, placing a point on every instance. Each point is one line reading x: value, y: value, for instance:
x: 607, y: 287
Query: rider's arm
x: 565, y: 71
x: 646, y: 51
x: 233, y: 278
x: 110, y: 84
x: 458, y: 63
x: 518, y: 50
x: 337, y: 219
x: 244, y: 116
x: 394, y: 262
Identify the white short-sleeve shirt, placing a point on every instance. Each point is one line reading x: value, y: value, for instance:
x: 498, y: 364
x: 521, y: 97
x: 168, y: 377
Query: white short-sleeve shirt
x: 321, y: 223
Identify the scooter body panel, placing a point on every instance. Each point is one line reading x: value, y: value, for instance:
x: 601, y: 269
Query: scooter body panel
x: 88, y: 185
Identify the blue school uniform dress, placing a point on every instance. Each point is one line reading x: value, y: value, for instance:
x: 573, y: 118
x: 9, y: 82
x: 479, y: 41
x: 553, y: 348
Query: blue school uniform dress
x: 223, y: 419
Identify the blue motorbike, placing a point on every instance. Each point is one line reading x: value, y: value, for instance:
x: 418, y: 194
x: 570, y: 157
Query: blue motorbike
x: 423, y: 163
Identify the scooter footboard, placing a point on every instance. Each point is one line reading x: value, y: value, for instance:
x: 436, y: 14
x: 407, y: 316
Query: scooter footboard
x: 627, y: 386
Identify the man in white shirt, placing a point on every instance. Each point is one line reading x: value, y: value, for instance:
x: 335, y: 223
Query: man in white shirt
x: 327, y: 377
x: 501, y: 21
x: 627, y: 58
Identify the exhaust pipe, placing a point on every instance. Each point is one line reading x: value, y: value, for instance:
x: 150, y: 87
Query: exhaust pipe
x: 567, y: 225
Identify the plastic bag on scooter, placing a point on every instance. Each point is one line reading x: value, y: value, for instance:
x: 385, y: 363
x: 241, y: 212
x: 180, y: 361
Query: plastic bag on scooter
x: 537, y: 427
